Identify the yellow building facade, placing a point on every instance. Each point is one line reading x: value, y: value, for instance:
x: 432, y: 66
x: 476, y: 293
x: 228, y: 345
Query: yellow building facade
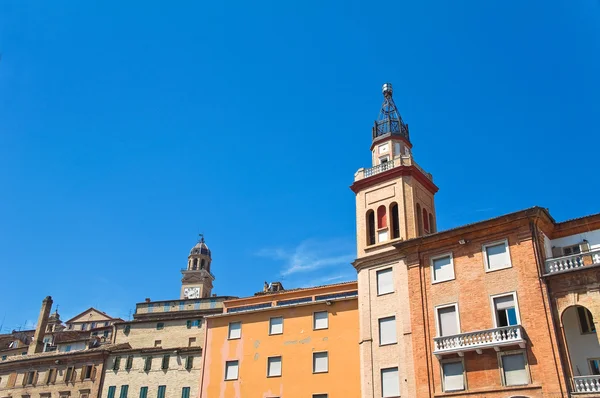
x: 296, y: 343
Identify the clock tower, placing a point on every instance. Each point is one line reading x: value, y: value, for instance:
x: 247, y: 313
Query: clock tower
x: 197, y: 278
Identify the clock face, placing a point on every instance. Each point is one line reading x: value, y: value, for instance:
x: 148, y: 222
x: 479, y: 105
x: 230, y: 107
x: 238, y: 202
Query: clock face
x: 191, y: 292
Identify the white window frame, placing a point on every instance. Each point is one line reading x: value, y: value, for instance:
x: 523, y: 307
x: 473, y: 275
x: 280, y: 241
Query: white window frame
x: 437, y: 318
x: 379, y: 329
x: 501, y: 366
x: 229, y: 331
x: 391, y: 270
x: 280, y: 366
x: 432, y: 259
x: 313, y: 362
x: 485, y: 258
x: 271, y: 326
x: 451, y: 360
x: 315, y: 320
x: 384, y: 159
x: 493, y: 306
x: 238, y: 369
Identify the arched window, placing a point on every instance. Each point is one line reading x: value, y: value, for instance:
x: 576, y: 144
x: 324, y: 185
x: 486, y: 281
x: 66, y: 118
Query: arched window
x: 381, y: 217
x: 195, y: 266
x: 431, y: 224
x: 202, y: 264
x: 419, y: 221
x: 425, y: 221
x: 370, y: 227
x: 394, y: 220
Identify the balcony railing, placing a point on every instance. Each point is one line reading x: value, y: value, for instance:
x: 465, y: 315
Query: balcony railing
x: 397, y: 161
x: 586, y: 384
x: 479, y: 340
x: 575, y: 261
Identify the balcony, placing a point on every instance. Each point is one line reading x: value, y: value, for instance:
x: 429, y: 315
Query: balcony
x: 396, y: 162
x: 572, y: 262
x: 586, y: 384
x: 479, y: 340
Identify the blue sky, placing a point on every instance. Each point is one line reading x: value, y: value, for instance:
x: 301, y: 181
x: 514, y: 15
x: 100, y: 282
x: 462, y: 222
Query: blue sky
x: 126, y: 128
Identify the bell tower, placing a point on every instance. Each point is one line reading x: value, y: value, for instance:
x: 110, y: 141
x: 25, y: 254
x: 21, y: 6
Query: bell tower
x: 197, y: 278
x: 395, y: 196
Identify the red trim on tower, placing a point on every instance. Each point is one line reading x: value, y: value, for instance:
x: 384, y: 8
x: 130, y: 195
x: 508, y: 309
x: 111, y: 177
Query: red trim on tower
x: 393, y: 173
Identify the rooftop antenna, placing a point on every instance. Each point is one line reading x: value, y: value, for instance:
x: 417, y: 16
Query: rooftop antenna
x: 2, y: 324
x: 129, y: 315
x: 201, y: 240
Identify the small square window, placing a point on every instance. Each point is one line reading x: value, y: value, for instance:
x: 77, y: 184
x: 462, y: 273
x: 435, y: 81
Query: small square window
x: 442, y: 268
x: 514, y: 368
x: 191, y: 341
x: 320, y: 362
x: 390, y: 383
x: 453, y: 375
x: 235, y: 330
x: 157, y: 343
x: 276, y: 325
x: 273, y: 366
x: 320, y: 320
x: 385, y: 281
x: 231, y: 370
x: 160, y: 326
x: 496, y: 256
x: 387, y: 331
x: 319, y: 396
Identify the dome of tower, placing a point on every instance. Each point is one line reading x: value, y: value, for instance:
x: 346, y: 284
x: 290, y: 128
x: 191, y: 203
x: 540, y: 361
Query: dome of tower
x: 200, y: 248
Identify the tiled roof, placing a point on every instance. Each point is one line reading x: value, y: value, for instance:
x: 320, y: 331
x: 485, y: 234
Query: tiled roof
x: 303, y: 288
x: 63, y: 337
x: 54, y: 354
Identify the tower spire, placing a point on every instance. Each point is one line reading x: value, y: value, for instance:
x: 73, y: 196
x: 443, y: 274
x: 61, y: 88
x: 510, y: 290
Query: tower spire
x: 389, y: 122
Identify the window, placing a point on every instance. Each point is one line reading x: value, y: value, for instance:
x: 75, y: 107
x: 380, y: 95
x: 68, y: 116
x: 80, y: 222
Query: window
x: 165, y: 362
x: 161, y: 391
x: 160, y: 326
x: 319, y: 396
x: 185, y: 392
x: 370, y: 227
x: 157, y: 343
x: 129, y: 363
x: 150, y: 307
x: 143, y: 392
x: 29, y: 378
x: 447, y: 320
x: 514, y: 368
x: 111, y: 391
x: 189, y: 362
x: 231, y: 370
x: 586, y: 320
x: 191, y: 341
x: 320, y: 320
x: 387, y: 330
x: 431, y: 224
x: 385, y: 281
x: 181, y: 305
x: 273, y: 366
x: 419, y: 221
x: 88, y: 372
x: 69, y: 374
x: 105, y: 333
x: 124, y: 389
x: 453, y: 375
x: 68, y: 348
x: 235, y: 330
x: 320, y: 362
x: 166, y: 307
x: 505, y: 310
x: 147, y: 364
x: 4, y: 357
x: 105, y: 323
x: 496, y: 256
x: 117, y: 363
x: 390, y: 383
x: 594, y: 366
x: 442, y: 268
x: 395, y: 221
x: 51, y: 376
x: 570, y: 250
x: 83, y: 326
x: 381, y: 217
x: 425, y: 221
x: 276, y: 325
x: 127, y: 329
x: 93, y: 326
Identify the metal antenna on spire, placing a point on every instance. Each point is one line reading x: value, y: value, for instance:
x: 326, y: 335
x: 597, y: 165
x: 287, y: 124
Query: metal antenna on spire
x: 389, y: 122
x: 201, y: 240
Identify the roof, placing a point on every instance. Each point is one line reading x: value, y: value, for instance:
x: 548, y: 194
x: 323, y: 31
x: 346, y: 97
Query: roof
x: 88, y: 310
x: 54, y: 354
x: 302, y: 288
x: 68, y: 336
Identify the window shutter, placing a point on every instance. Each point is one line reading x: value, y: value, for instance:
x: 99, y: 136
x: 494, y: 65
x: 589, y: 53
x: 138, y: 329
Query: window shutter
x: 235, y: 330
x: 189, y: 324
x: 453, y: 376
x: 504, y: 302
x: 385, y: 281
x: 320, y: 362
x: 189, y: 362
x: 274, y: 366
x: 390, y: 384
x: 143, y: 392
x: 276, y: 325
x: 111, y: 391
x: 387, y: 330
x: 161, y: 391
x: 35, y: 378
x: 515, y: 372
x: 185, y: 392
x: 447, y: 321
x: 93, y: 374
x: 497, y: 256
x: 231, y: 370
x: 124, y: 389
x: 442, y: 269
x: 199, y: 323
x: 321, y: 320
x: 12, y: 378
x: 82, y: 375
x: 24, y: 379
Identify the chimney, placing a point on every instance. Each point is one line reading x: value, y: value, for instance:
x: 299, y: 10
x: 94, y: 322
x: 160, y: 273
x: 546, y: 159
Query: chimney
x: 37, y: 344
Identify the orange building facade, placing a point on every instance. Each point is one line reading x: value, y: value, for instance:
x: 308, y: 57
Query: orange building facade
x: 286, y: 343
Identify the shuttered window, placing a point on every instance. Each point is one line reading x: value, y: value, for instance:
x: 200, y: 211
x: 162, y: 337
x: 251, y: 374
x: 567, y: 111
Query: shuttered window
x: 514, y: 368
x: 320, y: 362
x: 442, y: 268
x: 320, y: 320
x: 161, y: 391
x: 111, y: 391
x: 387, y: 330
x: 274, y: 366
x: 124, y: 390
x: 390, y: 384
x: 506, y: 310
x: 496, y: 256
x: 189, y: 362
x: 117, y: 363
x: 235, y: 330
x: 385, y: 281
x: 165, y: 362
x: 447, y: 321
x: 454, y: 379
x: 276, y: 325
x: 185, y: 392
x: 129, y: 363
x: 231, y: 370
x: 143, y: 392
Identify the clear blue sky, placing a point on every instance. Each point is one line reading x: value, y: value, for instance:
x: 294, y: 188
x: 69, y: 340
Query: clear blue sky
x: 126, y: 128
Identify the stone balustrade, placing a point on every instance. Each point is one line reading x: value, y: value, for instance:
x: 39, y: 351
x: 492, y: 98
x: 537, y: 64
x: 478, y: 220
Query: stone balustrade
x: 478, y: 340
x: 572, y: 262
x: 586, y: 384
